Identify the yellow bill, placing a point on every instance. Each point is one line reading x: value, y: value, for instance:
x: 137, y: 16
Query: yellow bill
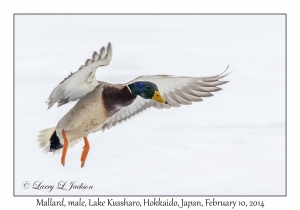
x: 157, y: 97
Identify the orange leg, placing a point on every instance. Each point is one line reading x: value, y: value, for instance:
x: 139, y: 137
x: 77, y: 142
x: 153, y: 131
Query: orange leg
x: 65, y: 148
x: 85, y: 151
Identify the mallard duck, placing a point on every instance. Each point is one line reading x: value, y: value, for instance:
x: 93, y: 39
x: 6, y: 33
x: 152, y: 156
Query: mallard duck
x: 102, y: 105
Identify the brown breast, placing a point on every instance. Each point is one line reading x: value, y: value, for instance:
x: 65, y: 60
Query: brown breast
x: 115, y: 97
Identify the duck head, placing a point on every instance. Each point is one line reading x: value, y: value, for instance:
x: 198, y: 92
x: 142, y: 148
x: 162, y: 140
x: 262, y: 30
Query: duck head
x: 147, y: 90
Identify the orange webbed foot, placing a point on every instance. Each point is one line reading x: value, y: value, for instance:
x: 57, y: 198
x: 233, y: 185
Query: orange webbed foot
x: 65, y: 148
x: 85, y: 151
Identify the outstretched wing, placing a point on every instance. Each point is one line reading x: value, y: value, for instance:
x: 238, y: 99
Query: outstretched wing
x: 176, y: 90
x: 83, y: 81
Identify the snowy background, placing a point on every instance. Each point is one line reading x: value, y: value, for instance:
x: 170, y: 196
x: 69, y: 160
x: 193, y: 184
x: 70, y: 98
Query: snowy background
x: 230, y: 144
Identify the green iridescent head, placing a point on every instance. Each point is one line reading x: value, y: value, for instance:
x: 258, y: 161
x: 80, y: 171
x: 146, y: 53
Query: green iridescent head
x: 147, y: 90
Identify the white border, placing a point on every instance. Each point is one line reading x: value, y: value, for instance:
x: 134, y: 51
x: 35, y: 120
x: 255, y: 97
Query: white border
x: 54, y: 6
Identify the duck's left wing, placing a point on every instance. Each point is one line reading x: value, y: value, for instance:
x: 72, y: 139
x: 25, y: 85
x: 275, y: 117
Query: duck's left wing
x: 83, y: 81
x: 176, y: 90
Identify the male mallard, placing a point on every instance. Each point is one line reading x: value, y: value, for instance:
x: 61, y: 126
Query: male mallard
x: 102, y: 105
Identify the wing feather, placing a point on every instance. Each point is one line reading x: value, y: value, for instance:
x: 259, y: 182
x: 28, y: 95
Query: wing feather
x: 81, y: 82
x: 176, y: 90
x: 96, y: 56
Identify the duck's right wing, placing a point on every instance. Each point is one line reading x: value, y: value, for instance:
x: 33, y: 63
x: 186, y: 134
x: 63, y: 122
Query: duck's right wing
x: 83, y: 81
x: 176, y: 90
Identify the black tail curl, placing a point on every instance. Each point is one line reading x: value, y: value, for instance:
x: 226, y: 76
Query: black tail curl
x: 55, y: 143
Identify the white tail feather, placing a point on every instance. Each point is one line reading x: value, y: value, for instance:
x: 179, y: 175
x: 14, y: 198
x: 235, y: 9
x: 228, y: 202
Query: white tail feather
x: 44, y: 138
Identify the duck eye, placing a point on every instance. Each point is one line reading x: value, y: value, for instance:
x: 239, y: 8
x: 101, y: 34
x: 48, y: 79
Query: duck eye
x: 147, y: 87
